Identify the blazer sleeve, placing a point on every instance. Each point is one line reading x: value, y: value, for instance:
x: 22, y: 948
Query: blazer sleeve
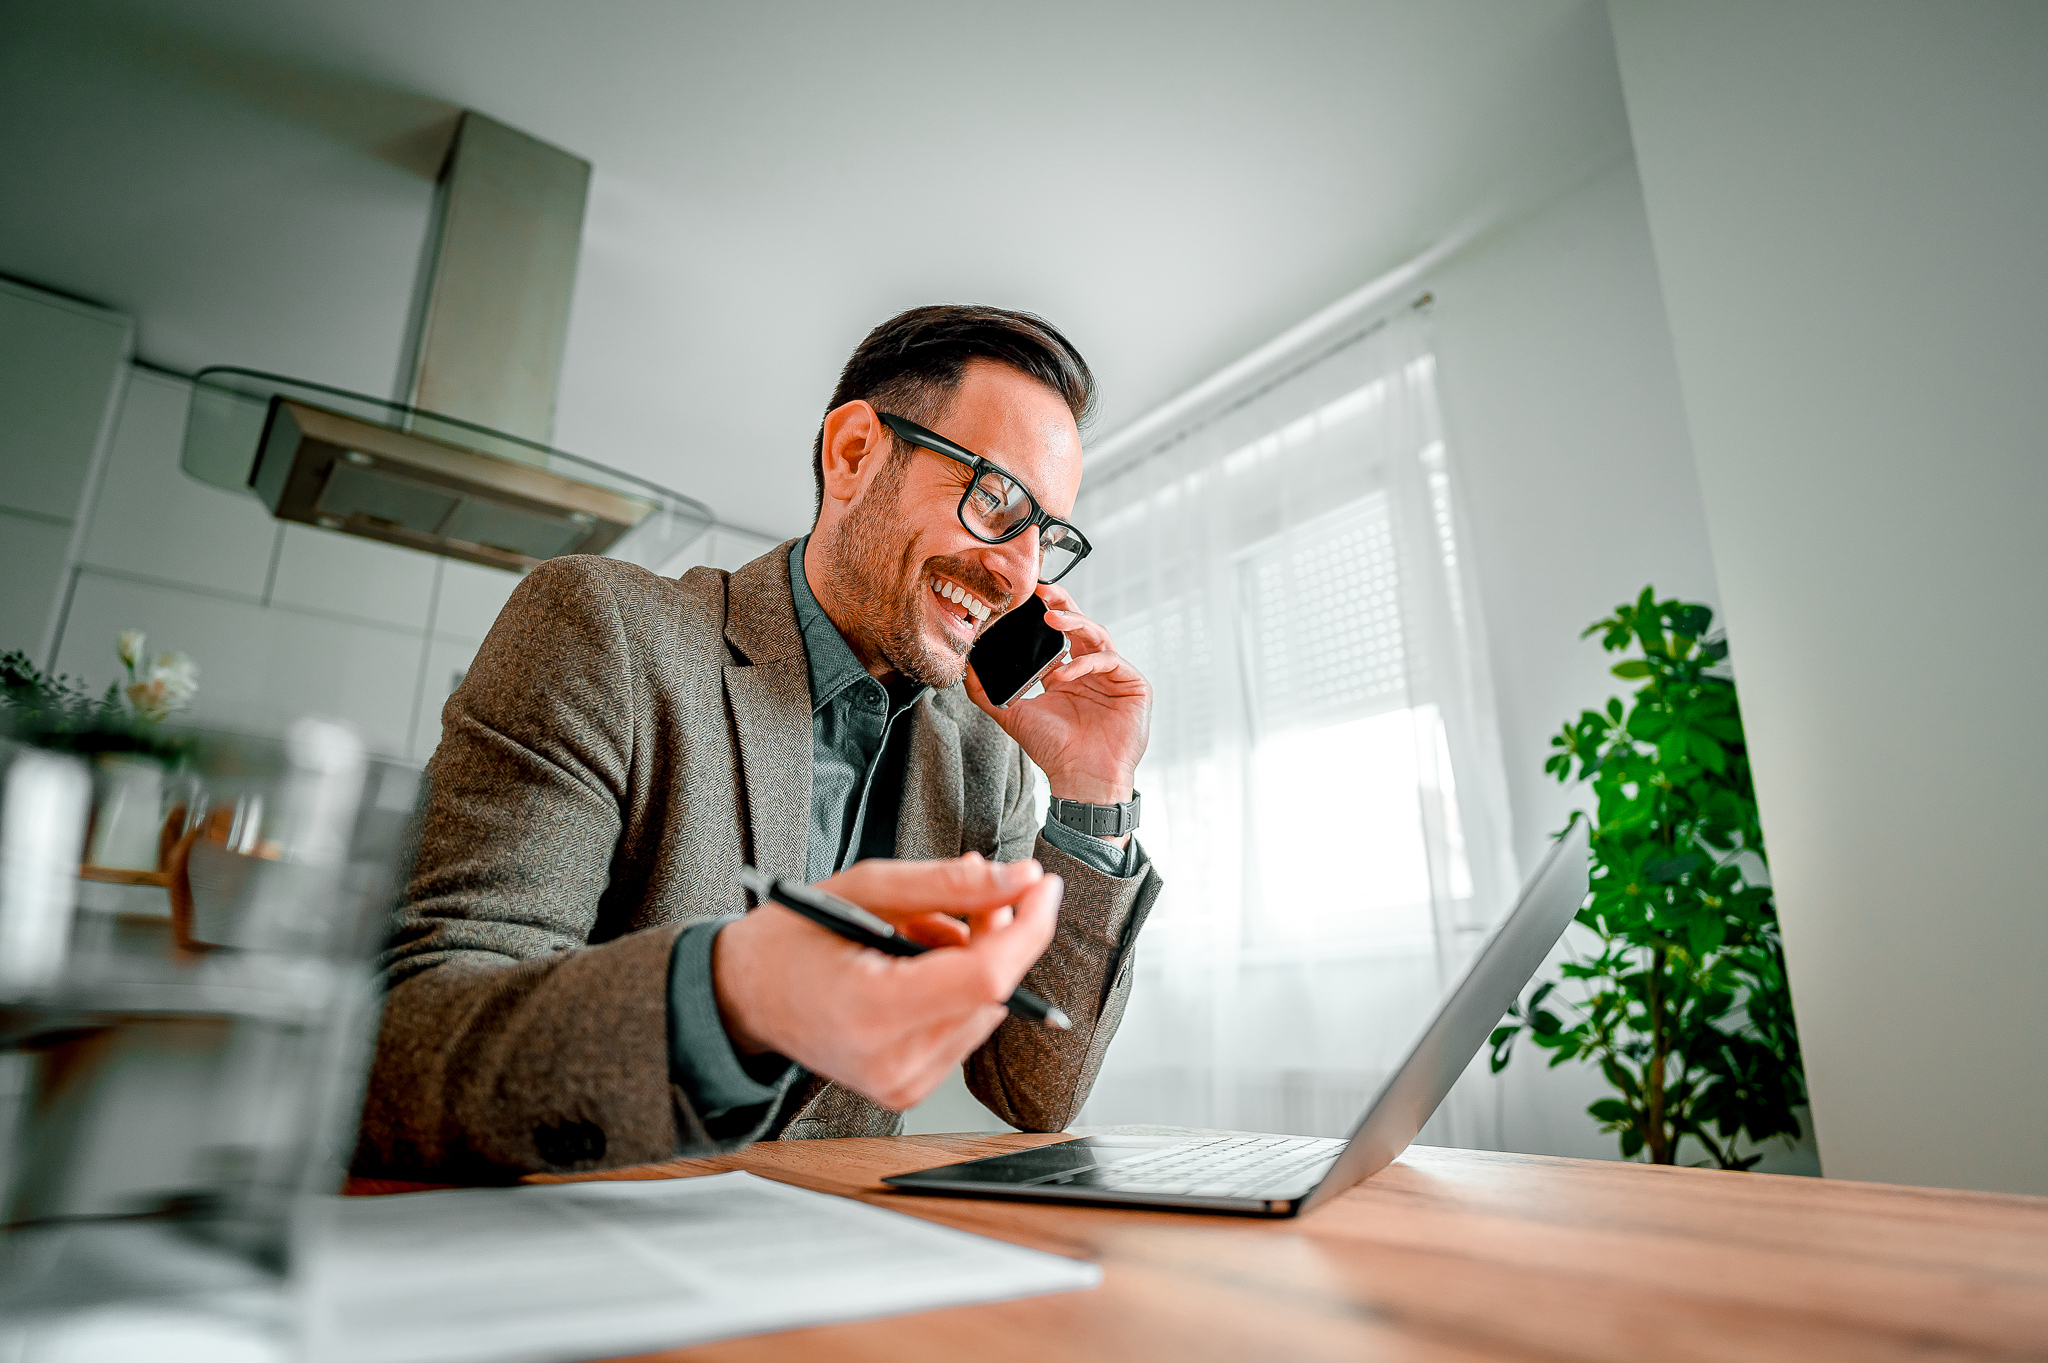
x: 1034, y: 1078
x: 509, y: 1044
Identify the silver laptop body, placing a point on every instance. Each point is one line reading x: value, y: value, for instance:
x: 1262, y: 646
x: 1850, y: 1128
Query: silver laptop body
x: 1287, y: 1175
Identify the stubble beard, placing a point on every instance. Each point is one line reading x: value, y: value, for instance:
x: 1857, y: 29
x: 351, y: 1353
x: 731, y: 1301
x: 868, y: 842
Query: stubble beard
x: 883, y: 570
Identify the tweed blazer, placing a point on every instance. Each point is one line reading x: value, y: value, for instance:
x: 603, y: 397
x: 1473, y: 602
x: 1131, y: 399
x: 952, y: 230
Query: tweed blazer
x: 622, y: 743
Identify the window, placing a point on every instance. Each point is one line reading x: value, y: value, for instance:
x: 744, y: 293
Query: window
x: 1322, y: 790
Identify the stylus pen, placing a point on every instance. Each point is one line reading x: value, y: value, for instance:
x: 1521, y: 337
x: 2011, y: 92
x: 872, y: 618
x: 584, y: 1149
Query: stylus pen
x: 856, y: 924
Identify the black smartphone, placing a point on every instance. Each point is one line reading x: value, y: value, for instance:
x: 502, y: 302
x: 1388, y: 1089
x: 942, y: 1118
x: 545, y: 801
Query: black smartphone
x: 1016, y: 651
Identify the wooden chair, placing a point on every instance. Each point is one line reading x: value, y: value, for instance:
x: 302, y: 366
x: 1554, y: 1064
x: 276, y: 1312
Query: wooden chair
x: 173, y: 871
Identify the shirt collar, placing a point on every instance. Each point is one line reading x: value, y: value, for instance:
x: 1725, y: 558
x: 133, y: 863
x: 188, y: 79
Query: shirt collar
x: 833, y: 665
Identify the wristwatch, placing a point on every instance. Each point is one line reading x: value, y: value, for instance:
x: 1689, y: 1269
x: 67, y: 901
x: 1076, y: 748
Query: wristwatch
x: 1101, y: 821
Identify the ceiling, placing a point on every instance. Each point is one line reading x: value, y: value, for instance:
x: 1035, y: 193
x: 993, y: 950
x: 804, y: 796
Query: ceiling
x: 1171, y: 184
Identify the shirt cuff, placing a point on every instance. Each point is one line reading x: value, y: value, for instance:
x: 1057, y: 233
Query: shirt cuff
x: 719, y: 1082
x: 1106, y: 857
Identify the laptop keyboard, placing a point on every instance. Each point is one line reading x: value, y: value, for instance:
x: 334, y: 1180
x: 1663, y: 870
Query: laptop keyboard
x: 1228, y: 1166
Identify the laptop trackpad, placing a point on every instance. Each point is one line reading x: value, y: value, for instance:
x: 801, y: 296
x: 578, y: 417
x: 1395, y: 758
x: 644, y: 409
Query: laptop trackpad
x: 1041, y: 1163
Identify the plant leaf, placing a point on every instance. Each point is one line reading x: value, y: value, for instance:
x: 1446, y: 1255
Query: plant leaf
x: 1683, y: 941
x: 1691, y: 621
x: 1671, y: 868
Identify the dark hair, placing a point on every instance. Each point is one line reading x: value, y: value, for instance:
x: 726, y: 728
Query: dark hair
x: 912, y: 364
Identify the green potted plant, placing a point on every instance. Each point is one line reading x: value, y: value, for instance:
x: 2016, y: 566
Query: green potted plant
x: 119, y: 730
x: 1683, y: 1004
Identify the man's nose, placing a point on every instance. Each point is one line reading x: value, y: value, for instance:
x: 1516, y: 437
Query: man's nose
x: 1017, y: 563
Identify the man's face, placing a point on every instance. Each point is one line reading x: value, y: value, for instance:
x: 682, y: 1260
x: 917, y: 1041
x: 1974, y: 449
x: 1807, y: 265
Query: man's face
x: 898, y: 554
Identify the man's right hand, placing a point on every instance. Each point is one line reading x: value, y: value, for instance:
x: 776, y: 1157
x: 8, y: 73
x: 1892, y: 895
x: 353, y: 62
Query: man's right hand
x: 889, y: 1027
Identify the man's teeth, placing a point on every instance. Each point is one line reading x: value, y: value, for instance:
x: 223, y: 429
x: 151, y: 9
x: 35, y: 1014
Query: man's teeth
x: 960, y: 596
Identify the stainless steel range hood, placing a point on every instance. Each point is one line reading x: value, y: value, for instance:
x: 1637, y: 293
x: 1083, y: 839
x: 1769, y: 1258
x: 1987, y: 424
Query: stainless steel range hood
x: 460, y: 464
x: 335, y: 471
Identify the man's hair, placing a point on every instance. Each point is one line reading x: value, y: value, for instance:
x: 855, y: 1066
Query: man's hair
x: 912, y: 365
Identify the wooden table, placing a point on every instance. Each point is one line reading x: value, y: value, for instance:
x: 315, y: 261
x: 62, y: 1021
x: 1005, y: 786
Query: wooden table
x: 1461, y: 1255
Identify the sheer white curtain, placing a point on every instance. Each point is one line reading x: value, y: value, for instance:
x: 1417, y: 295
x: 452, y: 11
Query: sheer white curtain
x: 1324, y: 791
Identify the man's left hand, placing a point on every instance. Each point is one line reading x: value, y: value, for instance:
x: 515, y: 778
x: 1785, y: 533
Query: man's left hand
x: 1087, y: 729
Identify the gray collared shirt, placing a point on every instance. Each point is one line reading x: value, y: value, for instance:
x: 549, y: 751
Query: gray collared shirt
x: 857, y: 741
x: 858, y: 748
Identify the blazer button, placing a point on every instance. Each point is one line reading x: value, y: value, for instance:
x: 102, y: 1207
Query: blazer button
x: 569, y: 1143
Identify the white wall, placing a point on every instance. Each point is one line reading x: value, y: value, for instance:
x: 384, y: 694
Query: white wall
x: 1560, y: 392
x: 1848, y: 199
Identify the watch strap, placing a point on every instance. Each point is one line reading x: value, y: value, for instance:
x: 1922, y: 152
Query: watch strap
x: 1100, y: 821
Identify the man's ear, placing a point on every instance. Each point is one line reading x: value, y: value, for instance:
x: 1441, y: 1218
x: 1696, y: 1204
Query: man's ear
x: 855, y: 443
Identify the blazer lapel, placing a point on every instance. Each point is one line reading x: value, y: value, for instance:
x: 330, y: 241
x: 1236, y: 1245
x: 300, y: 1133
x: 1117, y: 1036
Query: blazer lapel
x: 929, y: 825
x: 769, y: 698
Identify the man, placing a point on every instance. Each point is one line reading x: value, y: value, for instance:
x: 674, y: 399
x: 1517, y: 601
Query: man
x: 572, y: 984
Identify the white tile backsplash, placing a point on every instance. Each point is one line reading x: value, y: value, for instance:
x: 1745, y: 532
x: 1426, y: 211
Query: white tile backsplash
x: 324, y: 570
x: 152, y: 520
x: 363, y: 673
x: 737, y: 548
x: 447, y: 661
x: 471, y: 597
x: 698, y: 552
x: 720, y: 547
x: 258, y: 669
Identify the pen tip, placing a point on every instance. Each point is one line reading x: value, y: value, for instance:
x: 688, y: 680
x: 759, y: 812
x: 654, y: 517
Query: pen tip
x: 1056, y: 1019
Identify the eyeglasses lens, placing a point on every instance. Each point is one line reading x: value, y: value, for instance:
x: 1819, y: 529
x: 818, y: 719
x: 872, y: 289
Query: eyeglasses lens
x: 1058, y: 550
x: 996, y: 505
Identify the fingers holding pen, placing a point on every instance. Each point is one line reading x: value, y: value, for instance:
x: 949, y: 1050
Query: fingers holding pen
x: 933, y: 930
x: 988, y: 968
x: 945, y: 1003
x: 965, y: 885
x: 888, y: 1026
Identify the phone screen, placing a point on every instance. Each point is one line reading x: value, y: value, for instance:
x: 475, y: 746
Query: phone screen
x: 1015, y: 651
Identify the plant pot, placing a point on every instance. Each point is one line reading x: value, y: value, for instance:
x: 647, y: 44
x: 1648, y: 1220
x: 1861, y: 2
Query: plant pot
x: 129, y: 814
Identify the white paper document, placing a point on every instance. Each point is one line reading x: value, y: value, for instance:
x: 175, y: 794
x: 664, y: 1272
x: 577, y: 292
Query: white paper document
x: 590, y: 1270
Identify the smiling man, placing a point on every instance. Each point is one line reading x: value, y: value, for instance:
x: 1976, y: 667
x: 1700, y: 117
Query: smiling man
x: 575, y: 980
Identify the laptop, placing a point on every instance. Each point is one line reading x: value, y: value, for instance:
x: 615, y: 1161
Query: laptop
x: 1288, y: 1175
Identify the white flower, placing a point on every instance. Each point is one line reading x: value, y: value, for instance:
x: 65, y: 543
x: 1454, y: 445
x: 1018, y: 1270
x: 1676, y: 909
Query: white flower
x: 131, y: 647
x: 169, y: 683
x: 179, y: 675
x: 148, y: 700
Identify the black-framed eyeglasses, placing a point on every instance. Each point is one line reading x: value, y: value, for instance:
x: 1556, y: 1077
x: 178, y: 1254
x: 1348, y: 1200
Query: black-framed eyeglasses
x: 996, y: 508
